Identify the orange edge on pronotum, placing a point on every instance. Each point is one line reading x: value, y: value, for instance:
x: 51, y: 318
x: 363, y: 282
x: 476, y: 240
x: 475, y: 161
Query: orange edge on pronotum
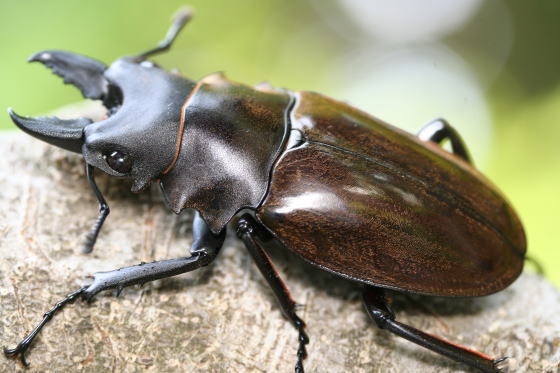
x: 181, y: 128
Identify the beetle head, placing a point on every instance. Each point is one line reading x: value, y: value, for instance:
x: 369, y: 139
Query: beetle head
x: 138, y: 137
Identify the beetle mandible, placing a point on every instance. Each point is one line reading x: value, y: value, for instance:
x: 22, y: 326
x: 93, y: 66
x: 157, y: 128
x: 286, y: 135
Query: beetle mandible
x: 345, y: 191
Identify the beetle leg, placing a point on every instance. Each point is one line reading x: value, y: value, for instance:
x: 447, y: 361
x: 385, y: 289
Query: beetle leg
x: 181, y: 18
x: 91, y: 237
x: 537, y: 265
x: 380, y: 311
x: 251, y: 234
x: 205, y: 248
x: 438, y: 130
x: 22, y: 346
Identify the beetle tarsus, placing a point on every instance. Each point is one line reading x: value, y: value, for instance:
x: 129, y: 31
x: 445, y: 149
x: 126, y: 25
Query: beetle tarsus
x: 91, y: 237
x: 19, y: 350
x: 104, y: 210
x: 182, y: 17
x: 23, y: 346
x: 303, y: 340
x: 500, y: 364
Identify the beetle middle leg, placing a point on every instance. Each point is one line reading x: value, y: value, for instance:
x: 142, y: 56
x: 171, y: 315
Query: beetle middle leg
x: 438, y: 130
x: 205, y: 247
x: 251, y: 234
x: 380, y: 311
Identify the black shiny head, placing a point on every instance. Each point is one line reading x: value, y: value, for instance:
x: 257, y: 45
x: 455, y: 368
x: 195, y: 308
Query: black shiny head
x: 138, y: 137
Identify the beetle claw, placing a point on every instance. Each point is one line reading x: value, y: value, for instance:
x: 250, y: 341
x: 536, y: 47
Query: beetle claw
x: 19, y: 350
x: 500, y: 364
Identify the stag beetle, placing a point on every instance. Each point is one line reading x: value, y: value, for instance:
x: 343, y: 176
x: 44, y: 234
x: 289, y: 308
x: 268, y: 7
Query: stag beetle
x: 347, y: 192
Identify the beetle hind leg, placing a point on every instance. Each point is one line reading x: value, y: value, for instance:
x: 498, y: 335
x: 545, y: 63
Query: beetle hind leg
x: 249, y: 231
x: 379, y: 310
x: 439, y: 130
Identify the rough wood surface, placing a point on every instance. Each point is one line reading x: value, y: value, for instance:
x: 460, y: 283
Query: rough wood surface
x: 222, y: 318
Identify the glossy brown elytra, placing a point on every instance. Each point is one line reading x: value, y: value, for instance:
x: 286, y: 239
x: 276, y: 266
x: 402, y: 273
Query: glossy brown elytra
x: 345, y: 191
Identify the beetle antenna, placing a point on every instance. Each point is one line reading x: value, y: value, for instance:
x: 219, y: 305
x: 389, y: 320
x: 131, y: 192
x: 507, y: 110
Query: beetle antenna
x: 91, y: 237
x: 180, y: 19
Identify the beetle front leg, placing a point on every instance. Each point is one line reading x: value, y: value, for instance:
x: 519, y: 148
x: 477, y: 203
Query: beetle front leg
x: 104, y: 210
x: 204, y: 249
x: 250, y: 232
x: 438, y: 130
x: 22, y: 346
x: 380, y: 311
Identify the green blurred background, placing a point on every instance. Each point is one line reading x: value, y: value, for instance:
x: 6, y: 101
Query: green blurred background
x: 492, y: 68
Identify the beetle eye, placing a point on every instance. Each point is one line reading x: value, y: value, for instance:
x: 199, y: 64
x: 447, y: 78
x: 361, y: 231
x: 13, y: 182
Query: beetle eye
x: 118, y: 161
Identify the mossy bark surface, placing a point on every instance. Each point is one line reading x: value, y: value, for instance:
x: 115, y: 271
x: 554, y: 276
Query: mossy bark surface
x: 222, y: 318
